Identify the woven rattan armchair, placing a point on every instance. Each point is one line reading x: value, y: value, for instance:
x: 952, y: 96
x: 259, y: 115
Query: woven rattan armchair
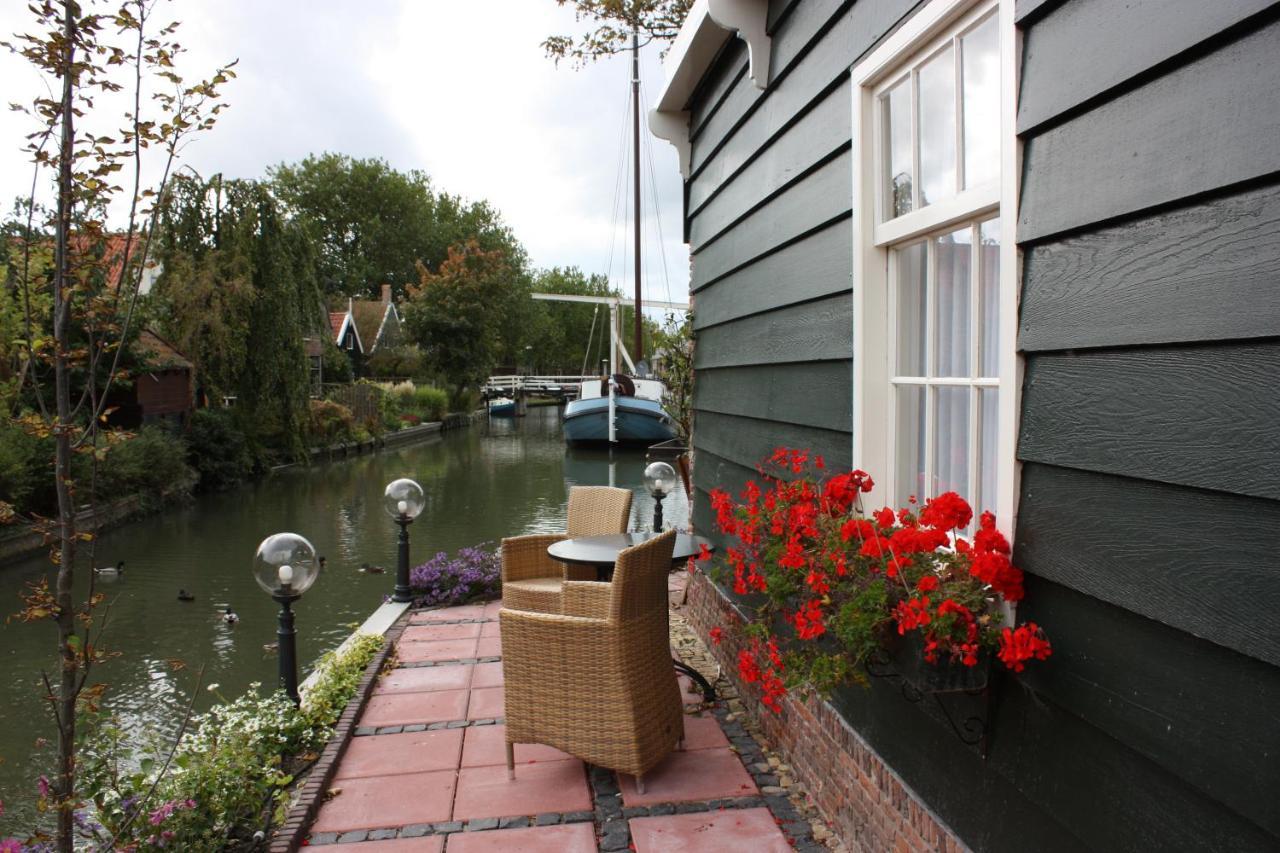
x: 596, y: 680
x: 531, y: 580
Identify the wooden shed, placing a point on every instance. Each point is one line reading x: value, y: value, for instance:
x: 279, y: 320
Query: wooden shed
x: 162, y: 386
x: 1027, y: 250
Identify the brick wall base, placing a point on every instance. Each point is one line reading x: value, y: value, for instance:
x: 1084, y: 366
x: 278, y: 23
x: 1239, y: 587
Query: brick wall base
x: 862, y: 799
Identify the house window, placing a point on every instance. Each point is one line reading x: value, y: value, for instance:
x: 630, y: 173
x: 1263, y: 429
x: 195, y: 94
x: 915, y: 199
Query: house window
x: 934, y: 282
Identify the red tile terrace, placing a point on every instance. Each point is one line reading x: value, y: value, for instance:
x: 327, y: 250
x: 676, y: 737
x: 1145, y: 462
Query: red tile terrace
x: 426, y: 769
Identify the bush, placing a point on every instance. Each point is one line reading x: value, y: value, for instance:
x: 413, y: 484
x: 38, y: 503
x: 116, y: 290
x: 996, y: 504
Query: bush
x: 152, y: 463
x: 335, y: 365
x: 26, y: 472
x: 470, y: 574
x: 228, y: 774
x: 430, y: 404
x: 218, y: 449
x: 329, y: 422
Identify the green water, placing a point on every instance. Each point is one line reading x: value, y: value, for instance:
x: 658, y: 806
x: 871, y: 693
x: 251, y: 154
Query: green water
x: 495, y: 479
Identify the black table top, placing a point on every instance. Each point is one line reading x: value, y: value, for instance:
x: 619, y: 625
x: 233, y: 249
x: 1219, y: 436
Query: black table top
x: 603, y: 550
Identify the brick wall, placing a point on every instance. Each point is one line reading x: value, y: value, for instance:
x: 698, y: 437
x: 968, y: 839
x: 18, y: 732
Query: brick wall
x: 865, y: 802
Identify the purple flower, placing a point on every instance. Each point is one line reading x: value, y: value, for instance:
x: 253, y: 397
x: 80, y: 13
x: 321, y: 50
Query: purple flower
x: 470, y: 574
x: 10, y: 845
x: 42, y: 785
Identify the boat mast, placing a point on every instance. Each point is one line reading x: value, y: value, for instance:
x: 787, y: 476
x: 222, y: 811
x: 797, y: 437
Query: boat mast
x: 635, y: 150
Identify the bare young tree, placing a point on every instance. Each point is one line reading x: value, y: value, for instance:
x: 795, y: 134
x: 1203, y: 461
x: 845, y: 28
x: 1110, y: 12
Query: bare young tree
x: 90, y: 58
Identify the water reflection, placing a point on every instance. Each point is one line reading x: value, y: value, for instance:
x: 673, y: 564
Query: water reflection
x: 501, y: 478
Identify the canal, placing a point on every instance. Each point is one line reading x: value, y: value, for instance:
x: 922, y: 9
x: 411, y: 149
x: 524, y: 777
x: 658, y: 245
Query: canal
x: 495, y: 479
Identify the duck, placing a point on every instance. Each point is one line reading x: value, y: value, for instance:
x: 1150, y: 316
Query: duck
x: 110, y: 571
x: 230, y: 617
x: 183, y: 595
x: 371, y: 570
x: 270, y: 648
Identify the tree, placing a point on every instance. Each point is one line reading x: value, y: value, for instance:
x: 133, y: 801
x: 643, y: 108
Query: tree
x: 373, y: 224
x: 455, y: 315
x: 72, y: 353
x: 613, y: 22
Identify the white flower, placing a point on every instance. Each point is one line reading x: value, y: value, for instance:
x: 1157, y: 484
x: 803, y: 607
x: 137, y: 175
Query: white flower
x: 212, y: 687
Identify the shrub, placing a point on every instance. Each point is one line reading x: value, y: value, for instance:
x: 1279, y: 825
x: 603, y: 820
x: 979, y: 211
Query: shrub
x: 218, y: 449
x: 228, y: 775
x: 152, y: 463
x: 26, y: 475
x: 430, y: 404
x: 329, y: 422
x: 335, y: 364
x: 471, y: 574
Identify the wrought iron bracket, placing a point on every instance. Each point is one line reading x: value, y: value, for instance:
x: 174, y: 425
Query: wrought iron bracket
x: 972, y: 729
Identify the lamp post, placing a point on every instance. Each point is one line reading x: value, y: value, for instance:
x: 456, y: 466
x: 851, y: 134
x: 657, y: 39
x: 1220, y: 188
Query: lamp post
x: 404, y: 500
x: 660, y: 479
x: 286, y: 567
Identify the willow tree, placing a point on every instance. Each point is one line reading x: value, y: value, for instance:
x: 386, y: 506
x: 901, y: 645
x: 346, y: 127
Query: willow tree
x: 80, y: 149
x: 239, y: 295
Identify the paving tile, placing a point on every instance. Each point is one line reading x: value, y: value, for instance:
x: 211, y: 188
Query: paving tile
x: 421, y: 679
x: 700, y: 774
x: 703, y: 732
x: 427, y: 844
x: 436, y: 650
x: 487, y: 675
x: 574, y: 838
x: 489, y: 647
x: 396, y: 709
x: 417, y: 633
x: 486, y: 703
x: 446, y: 614
x: 415, y: 752
x: 487, y: 746
x: 491, y: 609
x: 378, y: 802
x: 490, y: 629
x: 548, y: 786
x: 729, y: 831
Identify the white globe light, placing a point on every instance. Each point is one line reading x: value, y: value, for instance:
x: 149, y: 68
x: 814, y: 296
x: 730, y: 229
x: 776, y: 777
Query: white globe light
x: 285, y: 564
x: 404, y: 499
x: 660, y: 479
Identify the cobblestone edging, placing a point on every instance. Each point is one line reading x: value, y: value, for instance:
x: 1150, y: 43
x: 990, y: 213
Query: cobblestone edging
x: 862, y: 797
x: 293, y: 832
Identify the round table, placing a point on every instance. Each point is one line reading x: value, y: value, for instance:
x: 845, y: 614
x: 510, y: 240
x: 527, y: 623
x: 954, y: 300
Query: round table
x: 601, y: 552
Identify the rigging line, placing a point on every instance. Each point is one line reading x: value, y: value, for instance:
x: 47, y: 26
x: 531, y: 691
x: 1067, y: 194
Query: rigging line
x: 653, y: 184
x: 617, y: 184
x: 586, y: 353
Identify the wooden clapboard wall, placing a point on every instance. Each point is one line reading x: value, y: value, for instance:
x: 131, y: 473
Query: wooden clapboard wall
x: 1150, y: 431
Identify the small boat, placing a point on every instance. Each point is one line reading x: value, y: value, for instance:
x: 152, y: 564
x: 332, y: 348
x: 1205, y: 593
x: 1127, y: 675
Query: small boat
x: 638, y: 416
x: 502, y: 407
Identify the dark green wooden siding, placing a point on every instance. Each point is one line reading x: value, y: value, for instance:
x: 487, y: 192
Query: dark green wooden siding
x: 1150, y: 432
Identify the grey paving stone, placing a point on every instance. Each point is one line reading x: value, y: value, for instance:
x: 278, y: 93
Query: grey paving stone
x: 763, y: 779
x: 690, y: 808
x: 578, y: 817
x: 415, y: 830
x: 547, y: 819
x: 482, y: 823
x: 416, y: 727
x: 324, y: 838
x: 457, y: 724
x: 662, y: 809
x: 617, y: 836
x: 513, y: 822
x: 364, y: 731
x: 448, y: 826
x: 382, y: 834
x: 355, y: 835
x: 635, y: 811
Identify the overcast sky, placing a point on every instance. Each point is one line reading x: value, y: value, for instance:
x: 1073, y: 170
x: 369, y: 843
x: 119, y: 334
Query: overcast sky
x: 459, y: 89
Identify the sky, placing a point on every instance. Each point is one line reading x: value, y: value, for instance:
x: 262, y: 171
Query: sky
x: 461, y: 90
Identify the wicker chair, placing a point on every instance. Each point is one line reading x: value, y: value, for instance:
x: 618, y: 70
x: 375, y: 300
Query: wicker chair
x: 531, y: 580
x: 596, y: 681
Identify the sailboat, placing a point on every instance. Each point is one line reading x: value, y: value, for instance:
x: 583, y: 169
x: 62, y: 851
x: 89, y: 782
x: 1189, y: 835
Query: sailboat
x: 622, y: 407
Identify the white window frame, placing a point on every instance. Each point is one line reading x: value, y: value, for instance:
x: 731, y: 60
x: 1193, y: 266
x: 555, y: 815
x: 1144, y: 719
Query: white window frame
x: 873, y: 356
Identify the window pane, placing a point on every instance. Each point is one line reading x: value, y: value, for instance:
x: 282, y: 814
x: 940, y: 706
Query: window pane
x: 980, y: 59
x: 897, y: 122
x: 910, y: 443
x: 938, y: 128
x: 951, y: 442
x: 989, y: 258
x: 911, y: 309
x: 953, y: 341
x: 988, y: 401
